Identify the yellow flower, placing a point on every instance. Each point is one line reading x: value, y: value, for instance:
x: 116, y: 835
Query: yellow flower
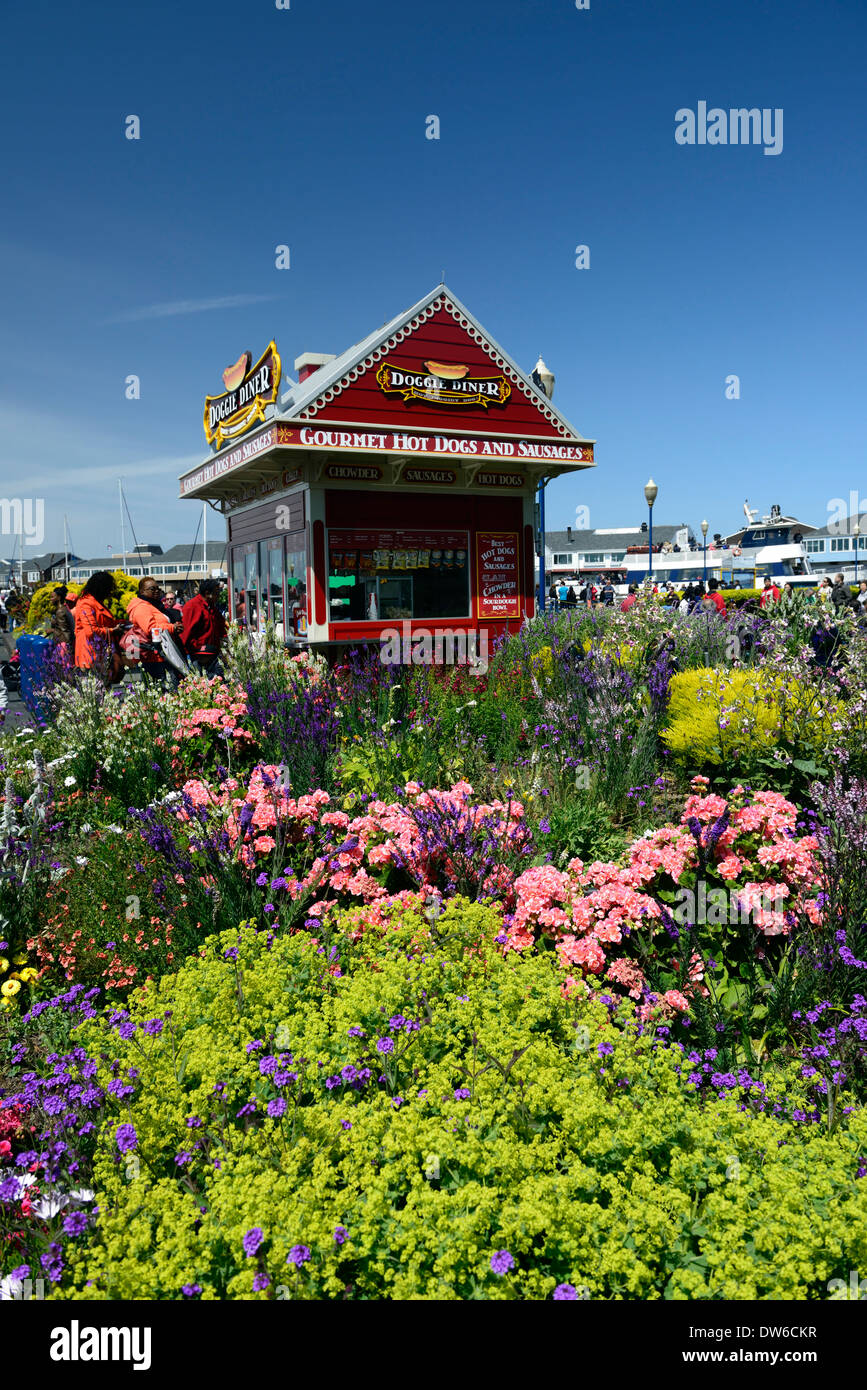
x: 19, y: 960
x: 10, y: 988
x: 28, y: 975
x: 4, y: 965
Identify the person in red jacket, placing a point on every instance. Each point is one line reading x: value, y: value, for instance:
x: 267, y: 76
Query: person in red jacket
x: 770, y: 593
x: 716, y: 597
x: 204, y: 628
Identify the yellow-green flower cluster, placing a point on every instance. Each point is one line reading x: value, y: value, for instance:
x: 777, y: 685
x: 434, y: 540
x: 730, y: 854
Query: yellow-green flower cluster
x: 495, y: 1124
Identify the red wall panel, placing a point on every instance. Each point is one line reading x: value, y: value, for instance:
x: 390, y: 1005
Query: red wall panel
x: 439, y: 339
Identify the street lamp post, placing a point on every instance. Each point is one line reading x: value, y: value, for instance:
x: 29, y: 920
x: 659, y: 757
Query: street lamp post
x: 856, y: 531
x: 544, y: 379
x: 704, y: 534
x: 650, y: 492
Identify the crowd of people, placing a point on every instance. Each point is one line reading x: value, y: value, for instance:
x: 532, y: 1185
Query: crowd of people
x: 706, y: 597
x: 160, y: 635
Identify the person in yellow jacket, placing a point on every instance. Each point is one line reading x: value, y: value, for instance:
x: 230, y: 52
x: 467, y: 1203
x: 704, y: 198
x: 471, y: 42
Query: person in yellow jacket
x: 148, y: 618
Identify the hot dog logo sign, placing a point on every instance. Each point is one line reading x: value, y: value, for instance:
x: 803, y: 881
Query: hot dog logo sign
x: 249, y: 389
x: 443, y: 383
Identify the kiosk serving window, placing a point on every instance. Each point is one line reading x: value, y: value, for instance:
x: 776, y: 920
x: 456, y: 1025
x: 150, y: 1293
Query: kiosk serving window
x: 380, y: 575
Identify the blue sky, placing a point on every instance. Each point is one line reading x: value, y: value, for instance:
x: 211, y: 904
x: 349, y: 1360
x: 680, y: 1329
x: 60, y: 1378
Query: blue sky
x: 306, y: 126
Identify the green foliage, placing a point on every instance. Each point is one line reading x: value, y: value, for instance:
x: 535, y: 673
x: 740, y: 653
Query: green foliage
x: 597, y: 1171
x: 736, y: 598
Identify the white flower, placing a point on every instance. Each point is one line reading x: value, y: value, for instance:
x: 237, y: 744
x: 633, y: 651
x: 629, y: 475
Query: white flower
x: 11, y: 1289
x: 80, y: 860
x: 50, y: 1204
x: 82, y: 1194
x: 69, y: 781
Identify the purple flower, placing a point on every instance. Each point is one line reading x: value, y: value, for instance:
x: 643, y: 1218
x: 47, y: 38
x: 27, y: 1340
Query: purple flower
x: 298, y: 1255
x: 190, y: 1290
x: 340, y: 1234
x: 502, y: 1262
x: 126, y: 1138
x: 385, y: 1045
x: 193, y: 1122
x: 462, y: 1094
x: 261, y: 880
x: 153, y: 1026
x: 276, y: 1108
x: 356, y: 1033
x: 345, y: 1124
x: 605, y: 1048
x: 267, y: 1064
x: 183, y: 1158
x: 252, y: 1240
x: 397, y: 1022
x: 231, y: 953
x: 255, y: 1045
x: 565, y: 1291
x: 75, y: 1224
x: 260, y: 1282
x: 23, y: 1271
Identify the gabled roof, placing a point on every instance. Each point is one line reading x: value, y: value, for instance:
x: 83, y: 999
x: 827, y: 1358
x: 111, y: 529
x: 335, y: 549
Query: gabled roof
x: 318, y: 390
x: 620, y: 540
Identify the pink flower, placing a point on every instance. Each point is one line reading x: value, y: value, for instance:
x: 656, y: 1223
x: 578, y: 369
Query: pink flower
x: 676, y: 1000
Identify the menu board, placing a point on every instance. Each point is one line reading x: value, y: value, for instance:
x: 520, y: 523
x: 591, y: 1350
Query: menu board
x: 373, y: 551
x: 499, y: 578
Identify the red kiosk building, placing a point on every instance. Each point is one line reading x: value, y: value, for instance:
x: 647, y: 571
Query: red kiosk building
x: 392, y: 484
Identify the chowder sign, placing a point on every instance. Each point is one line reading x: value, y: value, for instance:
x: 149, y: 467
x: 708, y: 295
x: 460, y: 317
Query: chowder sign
x: 249, y: 389
x: 443, y: 383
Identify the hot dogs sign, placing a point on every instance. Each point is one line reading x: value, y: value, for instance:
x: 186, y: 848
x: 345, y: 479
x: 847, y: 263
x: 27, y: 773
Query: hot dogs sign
x: 498, y: 575
x: 443, y: 383
x: 248, y: 391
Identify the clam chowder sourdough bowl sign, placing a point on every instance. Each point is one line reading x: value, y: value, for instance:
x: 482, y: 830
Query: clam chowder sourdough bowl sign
x: 248, y: 391
x: 499, y: 575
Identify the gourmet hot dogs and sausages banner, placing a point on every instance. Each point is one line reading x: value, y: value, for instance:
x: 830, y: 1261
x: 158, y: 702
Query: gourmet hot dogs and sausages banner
x: 498, y: 574
x: 485, y: 451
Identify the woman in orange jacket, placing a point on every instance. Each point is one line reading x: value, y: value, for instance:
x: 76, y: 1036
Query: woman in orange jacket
x: 95, y: 626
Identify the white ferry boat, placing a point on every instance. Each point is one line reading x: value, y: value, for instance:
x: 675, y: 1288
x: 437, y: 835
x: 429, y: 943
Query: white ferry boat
x: 772, y: 545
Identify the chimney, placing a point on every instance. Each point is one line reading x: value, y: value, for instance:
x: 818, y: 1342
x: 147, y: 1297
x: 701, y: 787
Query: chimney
x: 310, y: 362
x: 569, y: 533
